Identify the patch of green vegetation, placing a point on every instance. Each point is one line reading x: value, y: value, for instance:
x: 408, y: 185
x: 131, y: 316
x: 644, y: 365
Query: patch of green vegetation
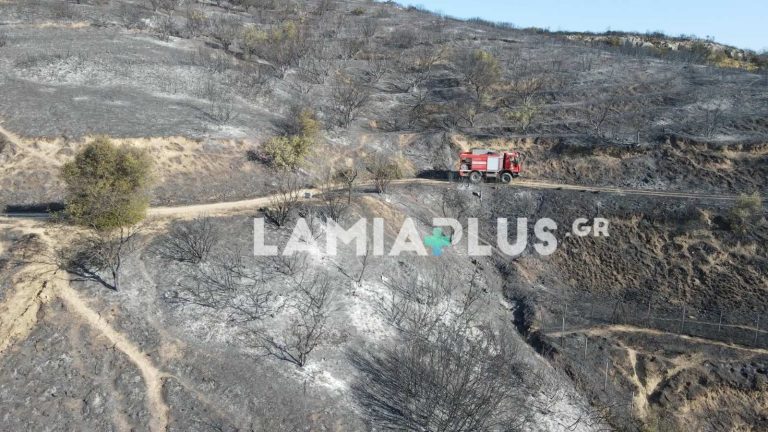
x: 107, y: 185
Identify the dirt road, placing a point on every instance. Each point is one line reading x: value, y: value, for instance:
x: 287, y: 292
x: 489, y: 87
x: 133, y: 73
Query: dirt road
x: 255, y: 203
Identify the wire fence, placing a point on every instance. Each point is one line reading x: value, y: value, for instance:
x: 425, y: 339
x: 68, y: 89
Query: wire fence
x: 744, y: 326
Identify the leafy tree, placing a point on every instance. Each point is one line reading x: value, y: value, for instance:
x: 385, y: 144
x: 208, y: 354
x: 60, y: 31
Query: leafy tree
x: 107, y: 185
x: 287, y: 152
x: 301, y: 131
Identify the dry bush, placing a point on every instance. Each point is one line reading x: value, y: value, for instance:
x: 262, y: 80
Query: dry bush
x: 228, y: 285
x: 402, y: 38
x: 225, y: 29
x: 285, y: 202
x: 130, y: 16
x: 746, y: 213
x: 166, y: 27
x: 283, y: 46
x: 196, y: 21
x: 62, y: 10
x: 98, y: 254
x: 325, y: 6
x: 166, y: 6
x: 348, y: 97
x: 480, y: 69
x: 189, y: 241
x: 334, y: 204
x: 454, y: 379
x: 312, y: 296
x: 301, y: 121
x: 285, y: 265
x: 383, y: 169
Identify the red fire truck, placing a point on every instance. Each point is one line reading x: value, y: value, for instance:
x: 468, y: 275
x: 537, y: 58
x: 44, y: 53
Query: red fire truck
x: 479, y: 164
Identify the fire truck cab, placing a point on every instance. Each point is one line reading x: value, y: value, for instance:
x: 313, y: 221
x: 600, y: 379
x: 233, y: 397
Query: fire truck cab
x: 479, y: 164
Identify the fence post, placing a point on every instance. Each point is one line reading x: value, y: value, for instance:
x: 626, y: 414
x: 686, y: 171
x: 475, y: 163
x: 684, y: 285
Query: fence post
x: 562, y: 332
x: 720, y: 323
x: 757, y: 328
x: 605, y: 380
x: 648, y: 318
x: 586, y: 342
x: 682, y: 321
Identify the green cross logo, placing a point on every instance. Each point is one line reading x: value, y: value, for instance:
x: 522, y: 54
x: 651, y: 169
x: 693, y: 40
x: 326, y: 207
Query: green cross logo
x: 437, y: 241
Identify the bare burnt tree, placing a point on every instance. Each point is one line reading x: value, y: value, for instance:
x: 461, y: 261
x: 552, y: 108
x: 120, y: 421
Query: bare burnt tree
x: 99, y: 256
x: 458, y: 204
x: 383, y: 169
x: 189, y: 241
x: 367, y: 28
x: 315, y: 67
x: 480, y: 69
x: 418, y: 302
x: 450, y: 380
x: 522, y: 91
x: 312, y: 296
x: 348, y: 97
x: 284, y: 203
x: 403, y: 38
x: 348, y: 177
x: 462, y: 113
x: 285, y: 265
x: 376, y: 69
x: 357, y: 276
x: 325, y: 6
x: 713, y: 115
x: 416, y: 66
x: 596, y: 114
x: 229, y: 285
x: 167, y: 6
x: 225, y: 30
x: 283, y: 49
x: 334, y: 205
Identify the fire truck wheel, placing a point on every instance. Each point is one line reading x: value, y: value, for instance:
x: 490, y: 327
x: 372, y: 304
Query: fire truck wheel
x: 475, y: 177
x: 506, y: 177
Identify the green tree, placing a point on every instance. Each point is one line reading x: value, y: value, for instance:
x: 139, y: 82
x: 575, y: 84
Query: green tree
x: 302, y: 130
x: 107, y: 185
x: 288, y: 152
